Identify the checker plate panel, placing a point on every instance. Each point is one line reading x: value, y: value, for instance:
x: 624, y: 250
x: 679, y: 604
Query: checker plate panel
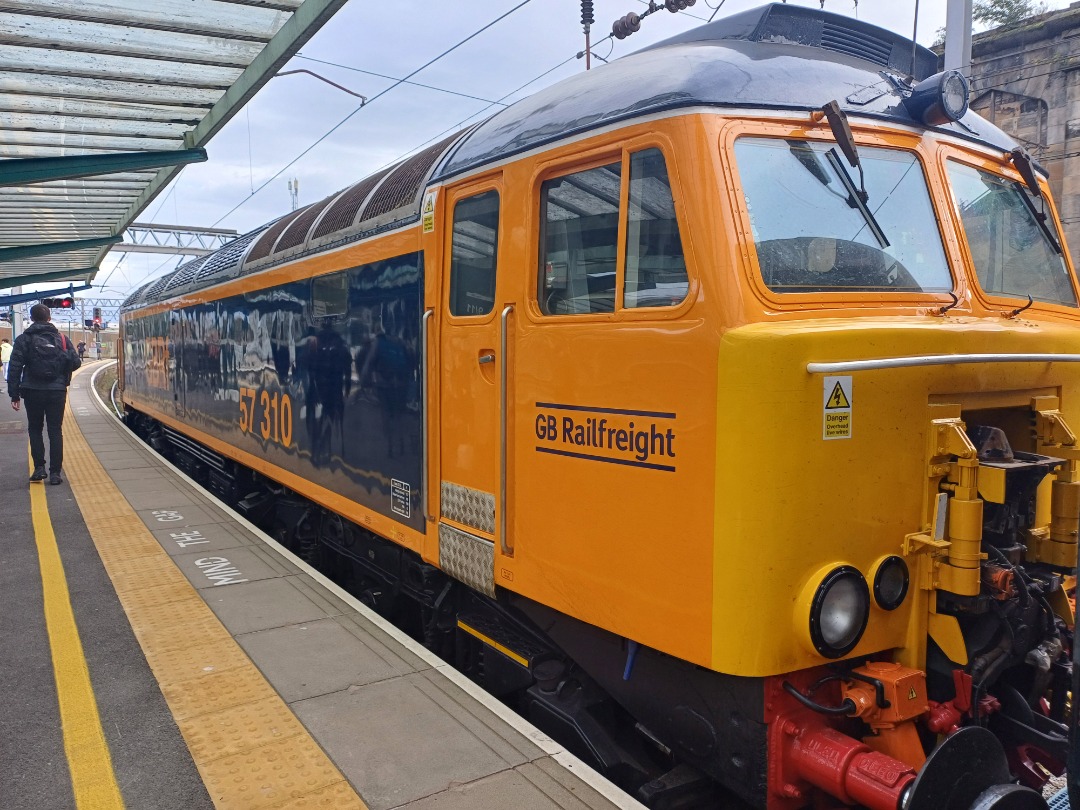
x: 468, y: 558
x: 469, y: 507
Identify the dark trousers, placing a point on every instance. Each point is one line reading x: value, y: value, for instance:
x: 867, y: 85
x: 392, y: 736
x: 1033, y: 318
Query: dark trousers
x: 42, y: 407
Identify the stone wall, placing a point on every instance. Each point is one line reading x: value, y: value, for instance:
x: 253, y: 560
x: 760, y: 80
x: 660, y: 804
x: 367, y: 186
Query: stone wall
x: 1026, y: 80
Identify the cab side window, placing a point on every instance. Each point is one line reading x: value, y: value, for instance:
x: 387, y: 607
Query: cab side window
x: 655, y: 267
x: 579, y: 217
x: 474, y: 254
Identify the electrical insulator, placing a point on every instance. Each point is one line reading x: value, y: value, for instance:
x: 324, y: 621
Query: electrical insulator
x: 625, y: 26
x: 678, y: 5
x: 586, y: 14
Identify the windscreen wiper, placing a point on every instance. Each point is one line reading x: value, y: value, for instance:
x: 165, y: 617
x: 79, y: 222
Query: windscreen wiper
x: 855, y: 199
x: 802, y: 152
x: 1022, y: 160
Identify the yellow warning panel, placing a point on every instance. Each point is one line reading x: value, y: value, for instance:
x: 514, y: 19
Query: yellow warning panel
x: 249, y: 747
x: 837, y: 399
x: 836, y: 408
x: 428, y: 210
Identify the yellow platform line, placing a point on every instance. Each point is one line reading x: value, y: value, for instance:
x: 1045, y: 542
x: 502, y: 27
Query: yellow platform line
x: 251, y: 750
x: 92, y: 779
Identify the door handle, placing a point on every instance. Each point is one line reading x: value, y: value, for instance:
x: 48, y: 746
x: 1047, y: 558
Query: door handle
x: 486, y: 358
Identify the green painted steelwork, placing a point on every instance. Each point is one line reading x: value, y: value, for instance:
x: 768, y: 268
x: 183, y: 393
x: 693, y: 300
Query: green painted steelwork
x: 11, y: 254
x: 37, y: 295
x: 26, y: 171
x: 37, y: 278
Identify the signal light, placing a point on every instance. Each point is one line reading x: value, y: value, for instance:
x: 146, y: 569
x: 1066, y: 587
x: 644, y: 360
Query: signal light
x: 64, y: 302
x: 625, y: 26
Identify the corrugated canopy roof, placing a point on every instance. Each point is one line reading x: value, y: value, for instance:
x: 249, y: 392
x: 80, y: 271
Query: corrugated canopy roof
x: 103, y: 101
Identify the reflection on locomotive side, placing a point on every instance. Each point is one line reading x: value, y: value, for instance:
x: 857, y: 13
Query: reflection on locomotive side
x: 321, y: 376
x: 156, y: 363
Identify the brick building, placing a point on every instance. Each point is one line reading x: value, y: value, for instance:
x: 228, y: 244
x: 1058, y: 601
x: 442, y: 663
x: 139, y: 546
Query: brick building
x: 1026, y: 80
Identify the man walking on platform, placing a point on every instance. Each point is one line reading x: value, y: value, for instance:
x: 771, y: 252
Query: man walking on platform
x: 40, y: 372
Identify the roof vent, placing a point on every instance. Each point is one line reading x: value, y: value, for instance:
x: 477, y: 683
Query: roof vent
x: 786, y: 24
x: 855, y: 43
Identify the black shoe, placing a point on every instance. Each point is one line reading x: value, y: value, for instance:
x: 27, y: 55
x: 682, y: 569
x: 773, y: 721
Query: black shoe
x: 55, y: 479
x: 39, y: 474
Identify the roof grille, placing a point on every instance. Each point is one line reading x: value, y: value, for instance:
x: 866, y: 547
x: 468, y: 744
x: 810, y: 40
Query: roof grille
x: 855, y: 43
x: 343, y: 212
x: 266, y: 243
x: 297, y: 232
x: 136, y: 296
x: 157, y: 287
x: 404, y: 185
x: 185, y: 273
x: 229, y: 256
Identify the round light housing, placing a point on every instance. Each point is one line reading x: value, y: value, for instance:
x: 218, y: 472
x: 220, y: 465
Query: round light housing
x: 941, y: 99
x: 891, y: 581
x: 839, y: 611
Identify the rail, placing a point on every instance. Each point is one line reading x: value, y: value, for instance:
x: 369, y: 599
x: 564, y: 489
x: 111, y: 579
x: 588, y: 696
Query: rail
x: 937, y: 360
x: 425, y: 388
x: 505, y: 318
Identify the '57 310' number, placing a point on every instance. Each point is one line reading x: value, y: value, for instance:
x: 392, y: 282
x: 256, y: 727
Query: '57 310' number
x: 269, y: 413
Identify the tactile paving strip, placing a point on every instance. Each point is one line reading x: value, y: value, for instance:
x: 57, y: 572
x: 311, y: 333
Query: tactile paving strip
x: 249, y: 747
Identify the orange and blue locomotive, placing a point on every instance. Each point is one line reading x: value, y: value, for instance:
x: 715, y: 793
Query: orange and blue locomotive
x: 716, y: 408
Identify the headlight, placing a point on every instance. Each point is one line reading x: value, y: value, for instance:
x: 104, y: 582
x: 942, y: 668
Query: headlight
x: 839, y: 611
x: 890, y: 582
x: 940, y: 99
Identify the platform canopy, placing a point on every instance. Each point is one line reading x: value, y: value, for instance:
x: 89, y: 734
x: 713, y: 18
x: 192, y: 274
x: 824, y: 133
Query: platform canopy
x: 102, y: 102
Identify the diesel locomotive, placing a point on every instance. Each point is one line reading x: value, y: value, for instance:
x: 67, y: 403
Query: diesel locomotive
x: 716, y: 408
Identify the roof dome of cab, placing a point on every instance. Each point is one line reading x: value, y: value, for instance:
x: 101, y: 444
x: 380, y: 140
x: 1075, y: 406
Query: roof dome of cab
x: 778, y: 56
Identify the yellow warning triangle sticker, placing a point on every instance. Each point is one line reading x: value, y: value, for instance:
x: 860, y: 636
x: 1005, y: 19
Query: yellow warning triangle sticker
x: 837, y: 399
x: 429, y: 206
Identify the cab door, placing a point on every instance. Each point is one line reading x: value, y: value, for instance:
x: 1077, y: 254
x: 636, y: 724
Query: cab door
x: 470, y: 393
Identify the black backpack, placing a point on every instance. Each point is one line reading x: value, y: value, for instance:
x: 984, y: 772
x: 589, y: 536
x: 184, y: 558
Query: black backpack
x: 47, y: 359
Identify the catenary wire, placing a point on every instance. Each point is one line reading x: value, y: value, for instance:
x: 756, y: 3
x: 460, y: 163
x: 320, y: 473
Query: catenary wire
x: 718, y: 5
x: 464, y: 121
x: 396, y: 79
x: 396, y: 84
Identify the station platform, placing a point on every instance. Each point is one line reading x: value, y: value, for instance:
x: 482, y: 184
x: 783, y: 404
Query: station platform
x: 158, y: 651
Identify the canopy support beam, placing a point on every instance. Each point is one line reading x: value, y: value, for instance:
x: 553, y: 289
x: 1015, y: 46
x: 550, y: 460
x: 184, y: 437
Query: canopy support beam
x: 13, y: 254
x: 27, y: 171
x: 6, y: 283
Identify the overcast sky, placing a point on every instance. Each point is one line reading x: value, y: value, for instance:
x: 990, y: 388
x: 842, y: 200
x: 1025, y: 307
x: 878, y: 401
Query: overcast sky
x: 537, y: 40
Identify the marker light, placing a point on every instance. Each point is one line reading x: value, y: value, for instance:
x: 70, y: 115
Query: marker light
x: 890, y: 582
x: 839, y: 612
x: 940, y: 99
